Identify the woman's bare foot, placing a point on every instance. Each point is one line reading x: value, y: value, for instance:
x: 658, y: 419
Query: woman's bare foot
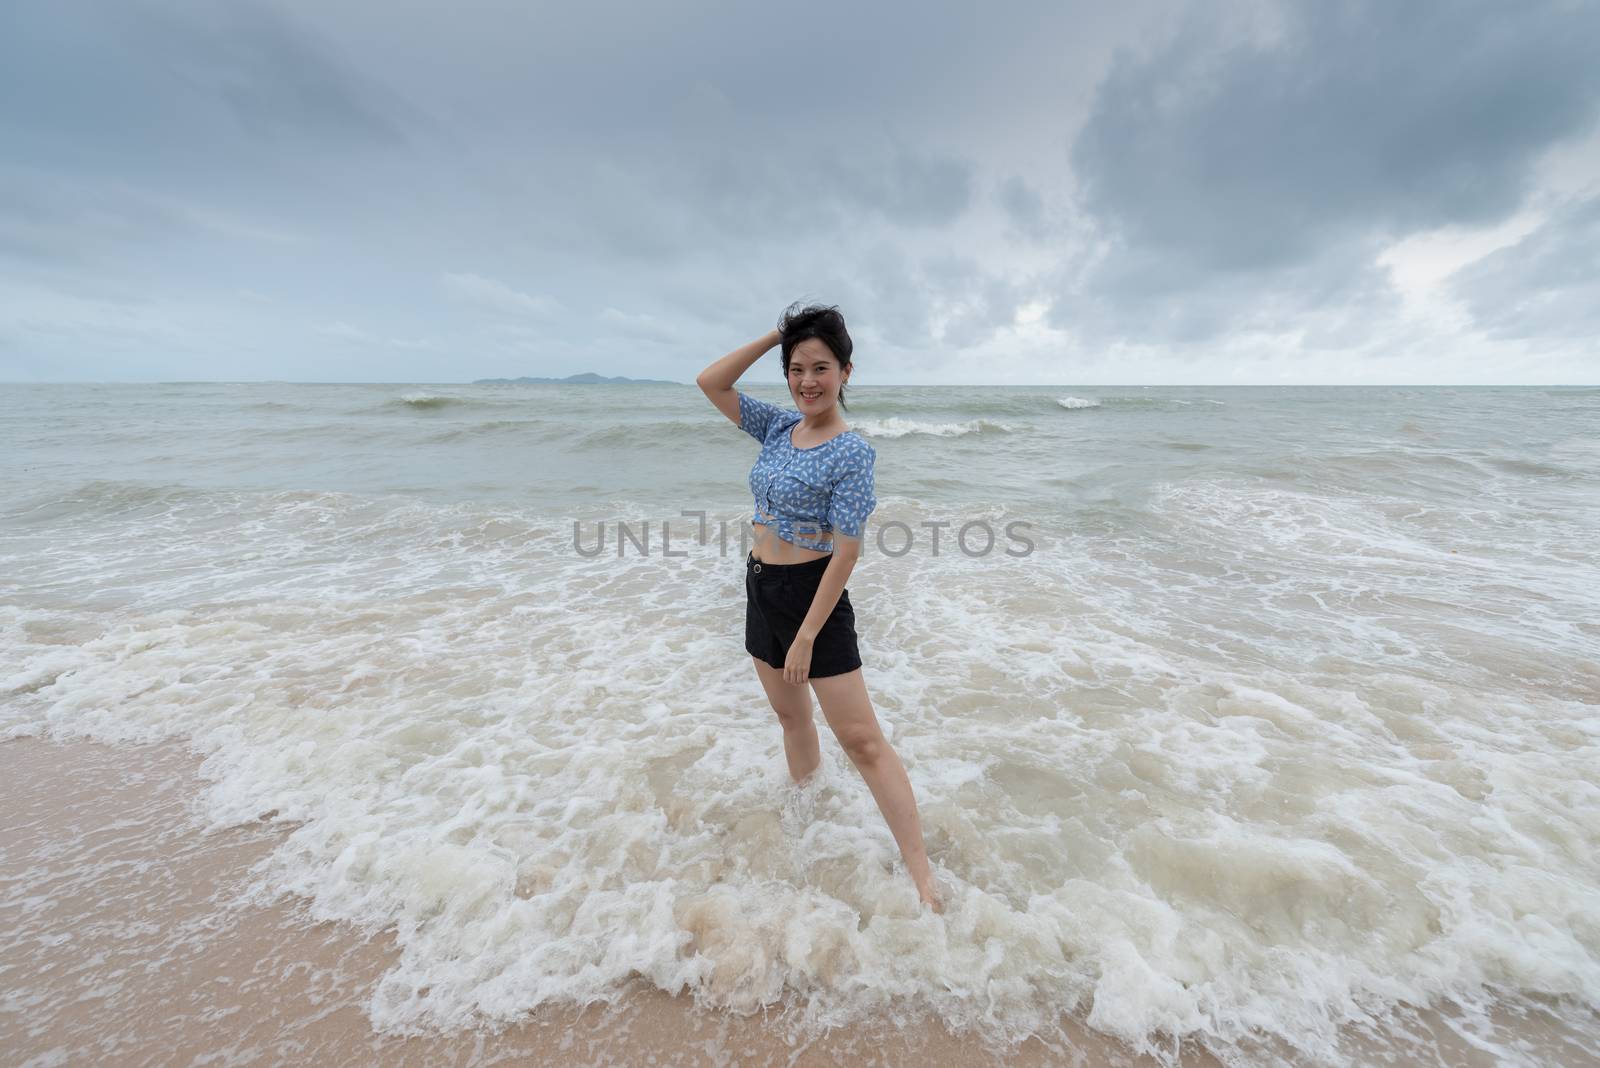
x: 930, y: 897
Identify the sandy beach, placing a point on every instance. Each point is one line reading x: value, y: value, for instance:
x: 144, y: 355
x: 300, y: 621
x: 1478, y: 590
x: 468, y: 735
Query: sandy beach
x: 172, y: 964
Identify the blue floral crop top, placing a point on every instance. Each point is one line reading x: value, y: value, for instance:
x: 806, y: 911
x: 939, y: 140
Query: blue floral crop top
x: 807, y: 494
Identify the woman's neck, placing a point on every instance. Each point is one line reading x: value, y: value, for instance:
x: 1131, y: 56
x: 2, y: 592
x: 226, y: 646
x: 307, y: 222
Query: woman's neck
x: 829, y: 420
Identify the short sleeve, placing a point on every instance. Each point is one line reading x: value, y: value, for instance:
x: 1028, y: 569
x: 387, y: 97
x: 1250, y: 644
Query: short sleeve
x: 853, y: 498
x: 756, y: 416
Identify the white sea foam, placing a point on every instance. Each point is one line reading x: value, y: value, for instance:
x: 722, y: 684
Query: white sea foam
x: 1072, y: 403
x: 897, y: 427
x: 420, y: 399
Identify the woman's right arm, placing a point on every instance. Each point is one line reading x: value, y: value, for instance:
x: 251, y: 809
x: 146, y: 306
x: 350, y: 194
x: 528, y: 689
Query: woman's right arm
x: 717, y: 381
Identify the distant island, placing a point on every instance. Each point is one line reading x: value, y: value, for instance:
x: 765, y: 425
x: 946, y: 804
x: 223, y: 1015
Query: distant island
x: 588, y: 378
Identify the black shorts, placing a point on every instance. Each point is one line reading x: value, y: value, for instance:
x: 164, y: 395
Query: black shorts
x: 777, y: 598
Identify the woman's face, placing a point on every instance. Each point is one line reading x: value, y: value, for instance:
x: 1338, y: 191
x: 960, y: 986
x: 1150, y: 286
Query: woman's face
x: 814, y: 376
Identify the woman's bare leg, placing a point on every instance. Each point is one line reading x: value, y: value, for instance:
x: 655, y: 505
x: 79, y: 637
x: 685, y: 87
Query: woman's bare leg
x: 793, y: 706
x: 848, y: 710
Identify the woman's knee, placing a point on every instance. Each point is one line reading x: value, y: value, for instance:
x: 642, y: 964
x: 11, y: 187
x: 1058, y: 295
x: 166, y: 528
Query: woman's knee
x: 796, y: 720
x: 791, y: 703
x: 863, y: 745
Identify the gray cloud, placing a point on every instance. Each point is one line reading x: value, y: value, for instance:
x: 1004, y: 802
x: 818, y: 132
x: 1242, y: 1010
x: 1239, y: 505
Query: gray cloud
x: 1282, y: 163
x: 1366, y: 116
x: 1137, y: 293
x: 542, y: 189
x: 154, y: 83
x: 61, y: 223
x: 1545, y: 286
x: 989, y: 305
x: 1022, y: 205
x: 275, y: 77
x: 493, y: 295
x: 46, y: 221
x: 651, y: 207
x: 908, y: 187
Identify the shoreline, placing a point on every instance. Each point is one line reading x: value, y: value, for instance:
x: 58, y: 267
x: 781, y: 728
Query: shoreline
x: 177, y: 967
x: 170, y: 964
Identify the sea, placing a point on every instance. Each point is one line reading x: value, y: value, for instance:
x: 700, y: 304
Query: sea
x: 1258, y: 720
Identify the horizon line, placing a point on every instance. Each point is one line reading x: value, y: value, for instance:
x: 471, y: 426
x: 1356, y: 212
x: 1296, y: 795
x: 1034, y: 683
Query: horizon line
x: 867, y: 385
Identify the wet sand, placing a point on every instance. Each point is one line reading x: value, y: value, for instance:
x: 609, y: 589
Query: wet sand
x: 127, y: 937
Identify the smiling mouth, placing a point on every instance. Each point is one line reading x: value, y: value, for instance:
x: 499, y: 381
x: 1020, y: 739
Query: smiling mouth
x: 811, y: 396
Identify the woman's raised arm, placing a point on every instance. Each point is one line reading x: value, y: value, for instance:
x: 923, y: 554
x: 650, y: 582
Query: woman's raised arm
x: 717, y: 381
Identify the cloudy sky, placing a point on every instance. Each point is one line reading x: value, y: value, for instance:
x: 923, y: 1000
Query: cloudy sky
x: 1017, y: 192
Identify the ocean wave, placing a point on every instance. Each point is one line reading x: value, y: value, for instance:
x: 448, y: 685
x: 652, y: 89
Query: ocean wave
x: 1147, y: 402
x: 1514, y: 466
x: 659, y: 433
x: 96, y: 497
x: 167, y: 504
x: 430, y: 400
x: 896, y: 427
x: 424, y: 401
x: 956, y: 406
x: 490, y: 428
x: 1583, y: 451
x: 1076, y: 403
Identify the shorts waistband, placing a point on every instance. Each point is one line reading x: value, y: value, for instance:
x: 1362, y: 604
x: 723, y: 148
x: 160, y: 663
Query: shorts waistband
x: 761, y: 567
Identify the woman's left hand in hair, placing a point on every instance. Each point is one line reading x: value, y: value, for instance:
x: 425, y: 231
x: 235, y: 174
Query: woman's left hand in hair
x: 797, y: 665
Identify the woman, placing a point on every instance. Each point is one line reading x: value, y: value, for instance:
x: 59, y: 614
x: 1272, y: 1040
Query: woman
x: 813, y: 484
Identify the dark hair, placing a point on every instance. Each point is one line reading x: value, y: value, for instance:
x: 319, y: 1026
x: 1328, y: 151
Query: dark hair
x: 822, y: 322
